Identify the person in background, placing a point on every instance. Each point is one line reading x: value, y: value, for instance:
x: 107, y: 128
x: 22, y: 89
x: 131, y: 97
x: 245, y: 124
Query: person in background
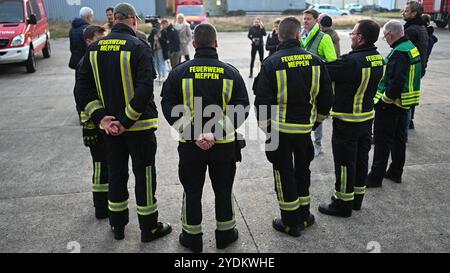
x: 171, y: 38
x: 272, y: 40
x: 184, y: 30
x: 426, y: 18
x: 326, y: 25
x: 158, y: 55
x: 77, y: 44
x: 110, y: 15
x: 256, y: 35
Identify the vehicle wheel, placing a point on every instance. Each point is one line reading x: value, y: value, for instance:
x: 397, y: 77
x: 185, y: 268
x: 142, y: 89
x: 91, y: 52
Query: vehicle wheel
x: 47, y: 51
x: 31, y: 62
x: 441, y: 24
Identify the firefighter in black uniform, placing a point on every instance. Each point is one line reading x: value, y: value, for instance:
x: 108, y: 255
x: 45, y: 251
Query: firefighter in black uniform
x: 297, y: 85
x: 93, y: 138
x: 356, y: 76
x: 116, y: 86
x: 199, y: 86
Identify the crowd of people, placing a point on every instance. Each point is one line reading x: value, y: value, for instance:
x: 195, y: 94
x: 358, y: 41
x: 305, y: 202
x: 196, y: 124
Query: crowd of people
x: 294, y: 95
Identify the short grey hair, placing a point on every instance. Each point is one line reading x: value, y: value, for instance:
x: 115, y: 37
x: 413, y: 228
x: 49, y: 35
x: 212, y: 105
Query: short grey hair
x: 395, y: 27
x: 415, y: 7
x: 85, y: 12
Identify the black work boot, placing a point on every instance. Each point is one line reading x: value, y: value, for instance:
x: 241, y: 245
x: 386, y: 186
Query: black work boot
x: 337, y: 208
x: 161, y: 230
x: 101, y: 213
x: 119, y: 233
x: 192, y: 242
x: 307, y: 222
x: 390, y: 176
x: 357, y: 202
x: 278, y: 224
x: 225, y: 238
x: 372, y: 182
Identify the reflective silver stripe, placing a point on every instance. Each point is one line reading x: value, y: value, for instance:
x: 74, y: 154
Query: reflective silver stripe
x: 149, y: 185
x: 360, y: 190
x: 304, y: 200
x: 188, y: 94
x: 343, y: 179
x: 282, y: 95
x: 228, y: 225
x: 226, y: 93
x: 97, y: 172
x: 354, y: 117
x: 359, y: 96
x: 118, y: 207
x: 94, y: 65
x: 344, y: 196
x: 100, y: 188
x: 278, y: 185
x: 92, y: 107
x: 131, y: 113
x: 290, y: 128
x: 289, y: 206
x: 127, y: 77
x: 145, y: 211
x: 146, y: 124
x: 196, y: 229
x: 314, y: 91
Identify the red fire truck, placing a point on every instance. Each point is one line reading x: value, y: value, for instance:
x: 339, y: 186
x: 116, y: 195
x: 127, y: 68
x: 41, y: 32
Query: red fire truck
x: 439, y: 11
x: 193, y: 10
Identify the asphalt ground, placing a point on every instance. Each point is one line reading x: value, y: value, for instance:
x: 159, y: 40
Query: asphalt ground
x: 45, y: 174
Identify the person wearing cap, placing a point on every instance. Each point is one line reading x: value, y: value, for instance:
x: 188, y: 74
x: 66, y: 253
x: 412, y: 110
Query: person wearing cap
x: 326, y: 24
x: 116, y: 92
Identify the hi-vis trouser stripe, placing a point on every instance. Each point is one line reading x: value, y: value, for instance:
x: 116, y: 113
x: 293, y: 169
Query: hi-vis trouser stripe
x: 91, y: 108
x: 194, y: 230
x: 228, y: 225
x: 282, y: 95
x: 226, y: 123
x: 278, y: 185
x: 359, y: 96
x: 151, y: 206
x: 118, y: 207
x: 289, y: 206
x: 360, y: 190
x: 342, y: 195
x: 304, y: 200
x: 94, y: 65
x: 96, y: 186
x: 315, y: 87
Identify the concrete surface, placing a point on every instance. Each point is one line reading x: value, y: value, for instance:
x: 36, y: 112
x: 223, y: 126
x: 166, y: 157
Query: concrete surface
x: 45, y: 199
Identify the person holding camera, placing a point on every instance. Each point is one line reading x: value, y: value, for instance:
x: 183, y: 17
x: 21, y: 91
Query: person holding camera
x: 256, y: 35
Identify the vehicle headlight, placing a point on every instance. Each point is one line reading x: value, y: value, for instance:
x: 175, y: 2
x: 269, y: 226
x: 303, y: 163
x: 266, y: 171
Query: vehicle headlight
x: 18, y: 40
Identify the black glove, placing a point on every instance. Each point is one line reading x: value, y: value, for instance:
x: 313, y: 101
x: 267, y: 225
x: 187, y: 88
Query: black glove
x: 316, y: 124
x: 90, y: 135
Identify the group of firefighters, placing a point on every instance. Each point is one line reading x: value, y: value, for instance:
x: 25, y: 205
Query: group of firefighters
x: 293, y: 95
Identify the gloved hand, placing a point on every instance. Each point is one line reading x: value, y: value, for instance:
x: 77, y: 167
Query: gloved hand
x: 90, y: 135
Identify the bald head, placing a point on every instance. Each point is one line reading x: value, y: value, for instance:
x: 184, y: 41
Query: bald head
x: 393, y: 30
x: 205, y: 35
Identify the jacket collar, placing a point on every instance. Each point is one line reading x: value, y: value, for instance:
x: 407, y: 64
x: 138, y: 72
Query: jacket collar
x: 416, y: 21
x: 399, y: 41
x: 289, y: 44
x: 206, y: 52
x: 122, y: 28
x: 364, y: 47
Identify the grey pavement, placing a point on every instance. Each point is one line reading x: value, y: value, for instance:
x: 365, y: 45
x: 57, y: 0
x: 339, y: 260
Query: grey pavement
x: 46, y: 203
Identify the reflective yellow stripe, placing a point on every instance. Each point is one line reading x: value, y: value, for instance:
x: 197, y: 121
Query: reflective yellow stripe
x: 344, y: 196
x: 185, y: 121
x: 118, y: 207
x: 149, y: 184
x: 412, y: 69
x: 228, y: 225
x: 228, y: 127
x: 352, y: 117
x: 304, y: 200
x: 142, y: 125
x: 191, y: 229
x: 278, y: 185
x: 188, y: 94
x: 148, y: 210
x: 94, y: 65
x: 97, y: 172
x: 131, y: 113
x: 411, y: 94
x: 343, y: 179
x: 315, y: 87
x: 360, y: 190
x: 292, y: 128
x: 127, y: 77
x: 92, y: 107
x: 226, y: 93
x: 84, y: 117
x: 359, y: 96
x: 282, y: 95
x: 289, y: 206
x: 100, y: 187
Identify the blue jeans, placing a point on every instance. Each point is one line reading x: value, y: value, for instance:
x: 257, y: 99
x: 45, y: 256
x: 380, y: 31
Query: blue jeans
x: 159, y: 62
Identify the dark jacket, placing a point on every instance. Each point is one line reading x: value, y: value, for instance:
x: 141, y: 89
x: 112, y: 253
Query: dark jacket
x: 170, y: 37
x: 77, y: 43
x: 258, y: 34
x: 416, y: 32
x: 356, y: 76
x: 432, y: 39
x: 215, y: 82
x: 396, y: 72
x: 299, y: 83
x: 116, y: 79
x: 272, y: 42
